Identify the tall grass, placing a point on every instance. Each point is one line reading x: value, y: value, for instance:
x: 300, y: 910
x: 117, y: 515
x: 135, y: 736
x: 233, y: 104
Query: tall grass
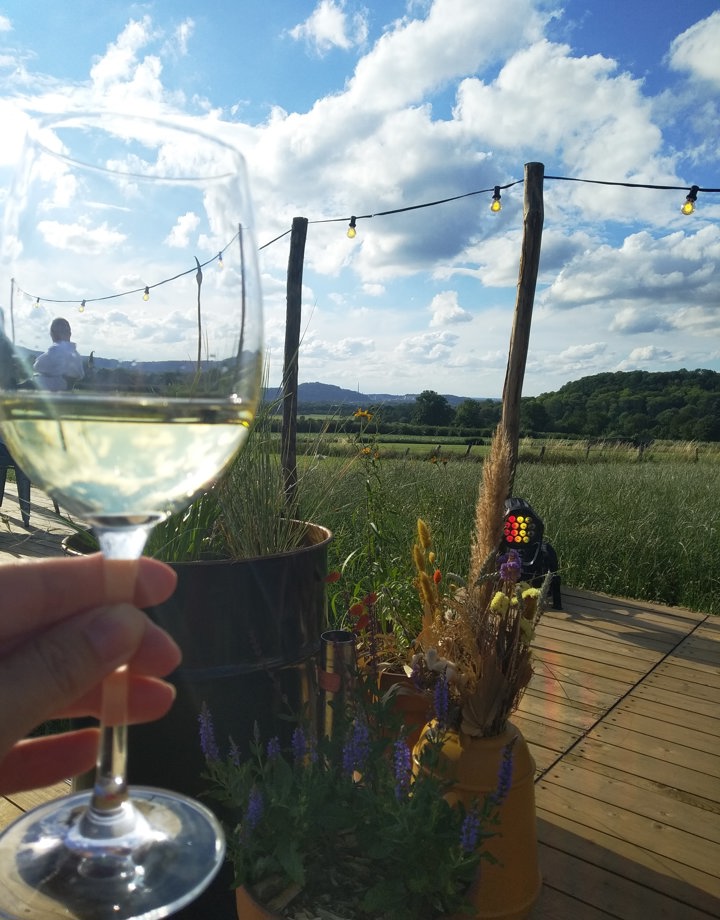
x: 649, y: 531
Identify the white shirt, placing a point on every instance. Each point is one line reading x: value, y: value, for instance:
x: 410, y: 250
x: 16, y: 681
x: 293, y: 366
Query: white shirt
x: 60, y: 362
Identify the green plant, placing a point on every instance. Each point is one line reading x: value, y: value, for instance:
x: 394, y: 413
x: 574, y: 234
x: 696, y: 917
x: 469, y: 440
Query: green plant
x: 250, y: 512
x: 341, y: 826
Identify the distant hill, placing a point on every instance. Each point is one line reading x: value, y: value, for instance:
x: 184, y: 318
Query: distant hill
x: 328, y: 393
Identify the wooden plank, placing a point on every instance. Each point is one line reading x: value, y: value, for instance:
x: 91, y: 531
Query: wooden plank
x: 647, y: 801
x: 568, y: 668
x: 33, y: 797
x: 652, y: 726
x: 672, y: 715
x: 553, y: 904
x: 691, y: 671
x: 589, y: 645
x: 590, y: 861
x: 690, y: 691
x: 614, y: 895
x: 648, y: 691
x: 559, y: 708
x: 589, y: 600
x: 670, y: 851
x: 659, y: 771
x: 681, y: 755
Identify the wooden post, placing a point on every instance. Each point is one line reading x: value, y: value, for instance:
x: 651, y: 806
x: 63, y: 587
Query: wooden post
x: 527, y: 279
x: 288, y: 437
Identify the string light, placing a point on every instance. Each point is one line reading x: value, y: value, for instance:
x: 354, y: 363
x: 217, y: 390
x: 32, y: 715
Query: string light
x: 688, y: 207
x: 81, y: 308
x: 689, y: 204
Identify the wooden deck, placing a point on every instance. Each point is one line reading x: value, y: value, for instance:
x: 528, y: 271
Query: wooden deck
x: 622, y: 719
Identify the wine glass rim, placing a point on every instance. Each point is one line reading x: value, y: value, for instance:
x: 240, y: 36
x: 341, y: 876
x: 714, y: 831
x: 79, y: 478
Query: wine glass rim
x: 97, y: 117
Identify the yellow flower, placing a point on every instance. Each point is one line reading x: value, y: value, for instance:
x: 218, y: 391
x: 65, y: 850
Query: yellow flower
x: 418, y: 557
x: 500, y: 603
x: 362, y: 413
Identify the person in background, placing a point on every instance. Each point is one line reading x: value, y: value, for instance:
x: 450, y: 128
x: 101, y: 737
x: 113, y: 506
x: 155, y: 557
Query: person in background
x: 60, y: 365
x: 59, y: 638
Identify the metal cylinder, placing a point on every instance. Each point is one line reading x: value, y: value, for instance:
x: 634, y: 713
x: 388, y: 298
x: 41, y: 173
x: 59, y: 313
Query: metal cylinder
x: 336, y: 678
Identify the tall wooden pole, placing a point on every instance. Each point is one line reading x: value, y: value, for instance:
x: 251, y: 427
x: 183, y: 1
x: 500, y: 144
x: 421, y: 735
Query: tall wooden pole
x: 527, y: 279
x: 288, y: 437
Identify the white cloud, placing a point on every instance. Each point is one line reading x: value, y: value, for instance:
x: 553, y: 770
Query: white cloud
x: 330, y: 26
x: 5, y: 24
x: 180, y: 234
x: 447, y: 311
x: 696, y: 50
x: 79, y: 237
x: 183, y: 33
x: 428, y: 346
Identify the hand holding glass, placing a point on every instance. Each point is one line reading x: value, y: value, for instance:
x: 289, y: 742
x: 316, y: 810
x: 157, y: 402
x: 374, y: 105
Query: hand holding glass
x: 138, y: 235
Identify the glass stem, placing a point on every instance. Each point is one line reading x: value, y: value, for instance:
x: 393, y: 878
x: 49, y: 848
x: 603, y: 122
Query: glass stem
x: 122, y: 548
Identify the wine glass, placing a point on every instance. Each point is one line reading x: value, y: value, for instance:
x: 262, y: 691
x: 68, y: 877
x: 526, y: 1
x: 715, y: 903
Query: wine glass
x: 134, y: 236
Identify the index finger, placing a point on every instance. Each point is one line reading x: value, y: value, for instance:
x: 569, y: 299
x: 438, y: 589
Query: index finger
x: 40, y: 592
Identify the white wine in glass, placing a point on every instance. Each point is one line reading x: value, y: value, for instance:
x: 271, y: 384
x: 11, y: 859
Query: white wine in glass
x: 130, y: 369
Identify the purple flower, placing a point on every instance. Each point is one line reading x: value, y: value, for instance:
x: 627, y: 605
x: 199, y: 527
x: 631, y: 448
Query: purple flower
x: 356, y: 749
x: 208, y: 744
x: 441, y: 701
x: 470, y: 831
x: 273, y: 748
x: 511, y: 566
x: 299, y: 746
x: 234, y: 754
x: 255, y: 808
x: 402, y: 767
x: 505, y: 774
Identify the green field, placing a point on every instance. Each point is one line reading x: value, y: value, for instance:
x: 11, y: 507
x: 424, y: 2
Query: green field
x: 631, y: 523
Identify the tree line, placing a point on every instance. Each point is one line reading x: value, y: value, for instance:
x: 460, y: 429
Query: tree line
x: 632, y: 405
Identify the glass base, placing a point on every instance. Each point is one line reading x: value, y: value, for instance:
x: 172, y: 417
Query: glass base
x: 159, y: 860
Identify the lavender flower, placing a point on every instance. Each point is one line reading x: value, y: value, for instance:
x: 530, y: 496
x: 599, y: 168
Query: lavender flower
x: 255, y: 809
x: 234, y: 754
x: 208, y: 743
x: 299, y: 746
x: 511, y: 566
x: 470, y: 831
x: 273, y: 748
x: 441, y: 701
x: 356, y: 749
x: 505, y: 774
x: 402, y: 767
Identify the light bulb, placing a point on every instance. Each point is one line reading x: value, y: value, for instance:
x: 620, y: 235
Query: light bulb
x: 81, y: 308
x: 37, y: 302
x: 496, y: 204
x: 688, y: 205
x: 146, y: 295
x: 351, y: 230
x: 220, y: 261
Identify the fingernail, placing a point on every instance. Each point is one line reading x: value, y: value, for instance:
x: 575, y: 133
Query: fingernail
x: 112, y: 632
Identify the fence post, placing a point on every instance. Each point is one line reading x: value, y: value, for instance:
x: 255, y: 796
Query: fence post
x: 288, y: 436
x: 527, y: 279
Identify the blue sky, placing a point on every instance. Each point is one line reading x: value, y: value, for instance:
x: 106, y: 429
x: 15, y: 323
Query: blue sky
x: 351, y: 107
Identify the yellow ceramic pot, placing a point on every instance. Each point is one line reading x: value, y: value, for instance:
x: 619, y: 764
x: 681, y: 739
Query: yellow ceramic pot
x: 509, y: 889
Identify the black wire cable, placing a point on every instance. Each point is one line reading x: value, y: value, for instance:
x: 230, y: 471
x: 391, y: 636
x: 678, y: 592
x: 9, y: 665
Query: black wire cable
x: 331, y: 220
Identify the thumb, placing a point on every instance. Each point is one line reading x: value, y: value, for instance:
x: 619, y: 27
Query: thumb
x: 53, y: 668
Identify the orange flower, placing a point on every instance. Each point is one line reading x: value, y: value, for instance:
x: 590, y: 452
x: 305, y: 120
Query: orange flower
x: 437, y: 576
